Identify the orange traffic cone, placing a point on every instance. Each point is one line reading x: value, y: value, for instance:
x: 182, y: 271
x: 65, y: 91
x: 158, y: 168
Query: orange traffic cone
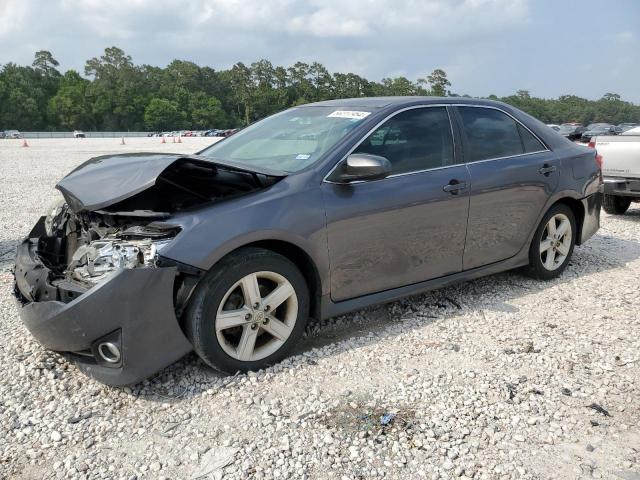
x: 122, y: 141
x: 24, y: 143
x: 163, y: 140
x: 179, y: 138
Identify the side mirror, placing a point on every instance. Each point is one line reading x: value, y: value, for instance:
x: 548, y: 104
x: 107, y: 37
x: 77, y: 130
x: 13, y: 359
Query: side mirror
x: 361, y: 167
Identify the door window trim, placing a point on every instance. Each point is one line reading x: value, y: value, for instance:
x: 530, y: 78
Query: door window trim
x: 456, y: 150
x: 518, y: 122
x: 382, y: 122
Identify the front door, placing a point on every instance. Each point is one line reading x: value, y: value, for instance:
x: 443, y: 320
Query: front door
x: 408, y: 227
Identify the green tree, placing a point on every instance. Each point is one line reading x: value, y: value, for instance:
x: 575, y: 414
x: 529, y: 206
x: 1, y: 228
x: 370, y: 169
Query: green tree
x: 438, y: 82
x: 118, y: 92
x: 23, y: 98
x: 207, y: 112
x: 70, y: 107
x: 162, y: 114
x: 242, y: 90
x: 45, y: 64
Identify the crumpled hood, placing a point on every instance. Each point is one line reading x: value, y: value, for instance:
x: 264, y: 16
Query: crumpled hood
x: 109, y: 179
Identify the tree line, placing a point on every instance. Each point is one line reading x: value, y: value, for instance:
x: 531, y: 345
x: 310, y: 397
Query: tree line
x: 116, y: 94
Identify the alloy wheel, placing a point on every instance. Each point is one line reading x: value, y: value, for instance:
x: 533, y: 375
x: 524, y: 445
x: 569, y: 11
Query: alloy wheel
x: 256, y: 316
x: 555, y: 242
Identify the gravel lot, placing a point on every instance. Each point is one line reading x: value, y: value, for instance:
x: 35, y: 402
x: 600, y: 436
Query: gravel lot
x: 502, y: 377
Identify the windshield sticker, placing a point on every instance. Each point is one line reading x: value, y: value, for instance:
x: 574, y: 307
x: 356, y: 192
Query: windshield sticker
x: 349, y: 114
x: 302, y: 156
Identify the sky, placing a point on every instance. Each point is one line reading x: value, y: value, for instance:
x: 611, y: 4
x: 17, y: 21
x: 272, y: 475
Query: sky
x: 549, y: 47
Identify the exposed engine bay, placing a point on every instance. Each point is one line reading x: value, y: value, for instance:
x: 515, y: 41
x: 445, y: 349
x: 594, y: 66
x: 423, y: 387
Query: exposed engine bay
x: 83, y: 247
x: 86, y: 248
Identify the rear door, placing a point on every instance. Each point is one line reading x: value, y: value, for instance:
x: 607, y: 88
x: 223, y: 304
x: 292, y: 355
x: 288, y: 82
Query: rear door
x: 408, y: 227
x: 513, y: 174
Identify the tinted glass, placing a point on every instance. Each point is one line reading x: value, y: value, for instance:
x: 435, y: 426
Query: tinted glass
x: 531, y: 144
x: 291, y: 140
x: 418, y: 139
x: 490, y: 133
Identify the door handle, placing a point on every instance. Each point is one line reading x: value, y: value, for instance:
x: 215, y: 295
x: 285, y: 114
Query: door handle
x: 547, y: 169
x: 454, y: 186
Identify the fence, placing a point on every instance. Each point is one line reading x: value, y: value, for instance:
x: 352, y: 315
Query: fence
x: 87, y: 134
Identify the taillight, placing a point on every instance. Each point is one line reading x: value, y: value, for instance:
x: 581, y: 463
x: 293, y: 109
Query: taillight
x: 592, y: 143
x: 599, y: 160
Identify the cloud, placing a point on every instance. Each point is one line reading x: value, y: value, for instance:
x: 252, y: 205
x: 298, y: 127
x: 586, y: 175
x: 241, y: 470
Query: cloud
x: 486, y: 46
x: 626, y: 38
x: 316, y: 18
x: 12, y: 16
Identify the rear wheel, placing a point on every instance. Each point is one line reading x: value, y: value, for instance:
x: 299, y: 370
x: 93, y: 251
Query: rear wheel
x: 615, y: 205
x: 248, y: 312
x: 553, y: 243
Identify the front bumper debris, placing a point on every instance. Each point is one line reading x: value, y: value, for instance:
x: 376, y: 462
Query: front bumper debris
x: 132, y: 311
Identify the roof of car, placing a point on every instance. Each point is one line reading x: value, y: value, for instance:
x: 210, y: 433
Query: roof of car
x: 380, y: 102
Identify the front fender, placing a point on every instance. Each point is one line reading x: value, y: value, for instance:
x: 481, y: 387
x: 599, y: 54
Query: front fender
x: 297, y: 218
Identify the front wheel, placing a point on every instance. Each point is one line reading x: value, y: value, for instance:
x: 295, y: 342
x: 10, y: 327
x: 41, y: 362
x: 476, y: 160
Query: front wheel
x: 248, y: 312
x: 553, y: 243
x: 615, y: 205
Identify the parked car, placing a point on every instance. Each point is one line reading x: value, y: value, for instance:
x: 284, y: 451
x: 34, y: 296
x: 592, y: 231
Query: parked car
x: 596, y: 129
x: 12, y: 134
x: 78, y: 134
x: 229, y: 132
x: 620, y: 158
x: 553, y: 126
x: 572, y: 131
x: 214, y: 133
x: 2, y: 134
x: 627, y: 126
x: 228, y: 252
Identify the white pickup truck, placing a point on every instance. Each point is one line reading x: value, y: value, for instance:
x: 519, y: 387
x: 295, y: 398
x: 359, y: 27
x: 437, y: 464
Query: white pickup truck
x: 620, y: 157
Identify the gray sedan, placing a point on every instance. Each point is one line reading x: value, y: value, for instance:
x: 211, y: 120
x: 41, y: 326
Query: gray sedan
x: 312, y: 212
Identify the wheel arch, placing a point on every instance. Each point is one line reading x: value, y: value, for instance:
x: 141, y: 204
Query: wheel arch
x: 577, y: 208
x: 301, y: 259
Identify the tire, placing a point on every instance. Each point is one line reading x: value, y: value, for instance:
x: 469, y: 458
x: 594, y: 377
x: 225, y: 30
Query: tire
x: 615, y: 205
x: 229, y: 334
x: 541, y: 265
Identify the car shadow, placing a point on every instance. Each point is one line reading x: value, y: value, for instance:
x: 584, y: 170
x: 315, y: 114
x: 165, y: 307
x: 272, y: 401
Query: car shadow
x: 7, y: 253
x: 631, y: 215
x: 492, y: 293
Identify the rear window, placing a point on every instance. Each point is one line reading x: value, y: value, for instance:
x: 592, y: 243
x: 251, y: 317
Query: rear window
x: 493, y: 134
x: 530, y: 143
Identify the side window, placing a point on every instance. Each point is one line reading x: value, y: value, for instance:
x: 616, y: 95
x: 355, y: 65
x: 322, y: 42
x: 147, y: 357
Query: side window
x: 417, y: 139
x: 531, y: 144
x: 490, y: 133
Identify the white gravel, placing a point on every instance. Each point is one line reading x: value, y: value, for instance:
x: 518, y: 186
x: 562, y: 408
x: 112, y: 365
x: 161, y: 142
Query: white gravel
x: 488, y: 379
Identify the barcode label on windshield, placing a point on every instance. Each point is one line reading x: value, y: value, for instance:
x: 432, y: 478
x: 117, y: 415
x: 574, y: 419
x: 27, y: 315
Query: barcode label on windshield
x: 349, y: 114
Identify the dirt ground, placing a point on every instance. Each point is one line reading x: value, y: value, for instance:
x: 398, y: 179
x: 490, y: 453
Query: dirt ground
x: 501, y: 377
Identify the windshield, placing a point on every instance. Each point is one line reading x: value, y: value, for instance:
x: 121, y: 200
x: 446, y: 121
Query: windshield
x: 598, y: 126
x: 291, y: 140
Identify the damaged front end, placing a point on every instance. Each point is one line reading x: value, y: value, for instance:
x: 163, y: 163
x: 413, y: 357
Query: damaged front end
x: 80, y: 251
x: 95, y: 287
x: 90, y: 278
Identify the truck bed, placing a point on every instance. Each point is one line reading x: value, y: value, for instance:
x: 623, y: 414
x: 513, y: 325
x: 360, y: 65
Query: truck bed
x: 620, y: 155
